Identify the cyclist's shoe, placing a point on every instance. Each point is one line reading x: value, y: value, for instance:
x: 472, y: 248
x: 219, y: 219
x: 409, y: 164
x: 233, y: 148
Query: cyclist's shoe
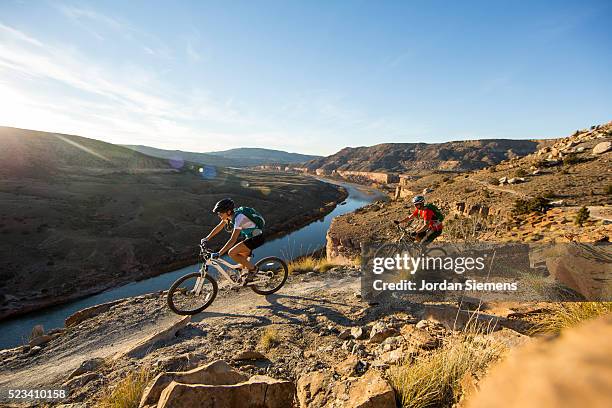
x: 248, y: 277
x: 214, y: 255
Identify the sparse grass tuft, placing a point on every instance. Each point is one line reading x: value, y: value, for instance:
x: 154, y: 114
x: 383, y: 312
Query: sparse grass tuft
x: 469, y: 229
x: 569, y: 314
x: 434, y: 379
x: 128, y: 392
x: 310, y: 264
x: 269, y: 338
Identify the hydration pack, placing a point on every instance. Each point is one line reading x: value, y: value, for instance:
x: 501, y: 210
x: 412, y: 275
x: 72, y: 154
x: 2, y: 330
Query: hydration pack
x: 252, y: 215
x: 436, y: 211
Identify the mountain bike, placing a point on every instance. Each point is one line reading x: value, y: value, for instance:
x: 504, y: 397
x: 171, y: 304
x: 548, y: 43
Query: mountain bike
x: 406, y: 243
x: 194, y: 292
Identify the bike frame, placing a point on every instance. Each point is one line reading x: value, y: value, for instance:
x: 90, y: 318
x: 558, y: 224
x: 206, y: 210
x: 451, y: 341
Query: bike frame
x: 217, y: 264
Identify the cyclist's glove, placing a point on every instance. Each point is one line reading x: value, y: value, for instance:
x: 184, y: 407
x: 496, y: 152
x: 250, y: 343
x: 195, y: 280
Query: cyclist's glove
x: 203, y: 242
x: 214, y: 255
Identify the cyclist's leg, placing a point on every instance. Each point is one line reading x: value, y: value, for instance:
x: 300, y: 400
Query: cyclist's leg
x: 419, y: 236
x: 429, y: 236
x: 242, y: 250
x: 239, y: 253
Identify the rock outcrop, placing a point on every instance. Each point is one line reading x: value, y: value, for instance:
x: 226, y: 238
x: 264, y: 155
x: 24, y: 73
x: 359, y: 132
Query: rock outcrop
x: 259, y: 391
x: 573, y: 370
x: 321, y: 390
x: 217, y: 385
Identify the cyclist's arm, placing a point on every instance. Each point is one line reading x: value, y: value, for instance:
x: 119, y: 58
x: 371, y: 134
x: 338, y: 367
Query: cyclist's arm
x: 408, y: 218
x: 411, y: 216
x: 428, y: 217
x: 422, y: 228
x: 230, y: 242
x: 215, y: 231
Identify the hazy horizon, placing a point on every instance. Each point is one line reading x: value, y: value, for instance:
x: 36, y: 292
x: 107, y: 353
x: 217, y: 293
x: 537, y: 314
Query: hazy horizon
x: 304, y: 77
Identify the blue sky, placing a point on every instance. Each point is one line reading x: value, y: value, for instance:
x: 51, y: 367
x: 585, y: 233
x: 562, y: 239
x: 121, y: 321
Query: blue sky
x: 306, y: 76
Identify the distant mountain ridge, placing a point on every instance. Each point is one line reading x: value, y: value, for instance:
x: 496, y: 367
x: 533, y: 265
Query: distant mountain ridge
x: 403, y: 157
x: 240, y: 157
x: 267, y: 155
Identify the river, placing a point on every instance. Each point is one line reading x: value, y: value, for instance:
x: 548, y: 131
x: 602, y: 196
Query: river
x: 15, y: 331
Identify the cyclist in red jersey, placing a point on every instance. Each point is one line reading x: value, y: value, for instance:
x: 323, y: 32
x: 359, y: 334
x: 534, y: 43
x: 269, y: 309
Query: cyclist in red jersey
x: 432, y: 226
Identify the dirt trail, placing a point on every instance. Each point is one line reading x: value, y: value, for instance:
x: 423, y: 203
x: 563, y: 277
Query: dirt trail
x: 125, y: 325
x: 497, y: 188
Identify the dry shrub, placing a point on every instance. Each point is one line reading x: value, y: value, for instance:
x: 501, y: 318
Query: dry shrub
x: 434, y: 379
x: 310, y: 264
x: 128, y: 392
x: 469, y: 229
x: 269, y: 338
x: 569, y: 314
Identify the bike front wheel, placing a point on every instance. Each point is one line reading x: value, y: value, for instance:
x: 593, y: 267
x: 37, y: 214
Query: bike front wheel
x: 271, y: 275
x: 192, y: 293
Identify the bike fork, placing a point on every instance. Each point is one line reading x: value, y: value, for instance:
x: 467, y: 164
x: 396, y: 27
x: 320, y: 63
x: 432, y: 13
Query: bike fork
x: 200, y: 281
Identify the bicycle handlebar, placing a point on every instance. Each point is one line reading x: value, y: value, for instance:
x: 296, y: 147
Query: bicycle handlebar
x: 403, y: 229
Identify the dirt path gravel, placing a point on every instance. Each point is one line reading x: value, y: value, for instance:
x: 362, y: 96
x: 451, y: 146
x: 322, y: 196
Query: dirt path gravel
x: 125, y: 325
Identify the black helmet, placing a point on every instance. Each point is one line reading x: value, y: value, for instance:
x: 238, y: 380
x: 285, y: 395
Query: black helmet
x: 224, y: 205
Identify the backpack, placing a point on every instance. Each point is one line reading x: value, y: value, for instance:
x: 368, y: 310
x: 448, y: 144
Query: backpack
x: 436, y: 210
x: 252, y: 215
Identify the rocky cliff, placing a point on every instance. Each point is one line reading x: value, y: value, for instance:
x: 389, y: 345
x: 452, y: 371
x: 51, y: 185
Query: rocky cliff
x: 410, y: 157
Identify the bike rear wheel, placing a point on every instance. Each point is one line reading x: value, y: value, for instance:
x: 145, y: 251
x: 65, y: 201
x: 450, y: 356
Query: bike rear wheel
x: 184, y: 297
x: 271, y: 275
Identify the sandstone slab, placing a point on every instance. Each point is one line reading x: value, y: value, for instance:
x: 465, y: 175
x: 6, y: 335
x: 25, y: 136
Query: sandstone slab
x: 215, y: 373
x: 258, y: 392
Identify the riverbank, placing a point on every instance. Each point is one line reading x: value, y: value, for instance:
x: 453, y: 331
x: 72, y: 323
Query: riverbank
x: 300, y: 242
x: 163, y: 243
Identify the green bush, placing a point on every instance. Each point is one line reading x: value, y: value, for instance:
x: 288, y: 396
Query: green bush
x: 582, y: 216
x: 520, y: 173
x: 570, y: 160
x: 536, y: 204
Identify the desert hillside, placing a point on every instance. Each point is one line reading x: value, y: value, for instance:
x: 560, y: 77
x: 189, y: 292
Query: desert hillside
x: 78, y: 215
x: 29, y: 153
x: 534, y: 198
x: 410, y: 157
